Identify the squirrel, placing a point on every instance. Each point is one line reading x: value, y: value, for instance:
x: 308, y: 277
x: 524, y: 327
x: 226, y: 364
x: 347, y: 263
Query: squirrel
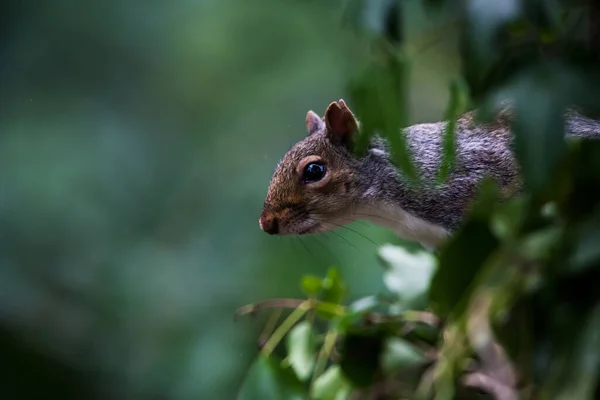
x: 320, y: 184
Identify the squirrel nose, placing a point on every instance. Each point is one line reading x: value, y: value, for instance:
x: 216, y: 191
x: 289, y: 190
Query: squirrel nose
x: 269, y: 224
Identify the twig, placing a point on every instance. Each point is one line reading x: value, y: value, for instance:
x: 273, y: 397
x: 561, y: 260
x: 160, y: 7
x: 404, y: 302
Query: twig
x: 489, y: 385
x: 324, y: 354
x: 290, y: 303
x: 269, y: 328
x: 284, y: 328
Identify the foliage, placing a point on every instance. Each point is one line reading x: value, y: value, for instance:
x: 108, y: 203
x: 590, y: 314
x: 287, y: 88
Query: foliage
x: 509, y: 307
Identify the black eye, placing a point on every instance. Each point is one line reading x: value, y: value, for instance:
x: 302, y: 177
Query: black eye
x: 313, y: 172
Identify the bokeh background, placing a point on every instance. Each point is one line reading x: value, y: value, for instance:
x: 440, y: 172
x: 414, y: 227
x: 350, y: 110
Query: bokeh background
x: 137, y: 140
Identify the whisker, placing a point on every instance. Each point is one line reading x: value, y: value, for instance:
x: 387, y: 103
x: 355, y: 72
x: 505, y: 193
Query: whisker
x: 337, y: 261
x: 307, y: 249
x: 295, y: 247
x: 349, y: 229
x: 344, y: 239
x: 360, y: 234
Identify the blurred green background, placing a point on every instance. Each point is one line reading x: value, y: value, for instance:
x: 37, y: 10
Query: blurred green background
x: 137, y: 141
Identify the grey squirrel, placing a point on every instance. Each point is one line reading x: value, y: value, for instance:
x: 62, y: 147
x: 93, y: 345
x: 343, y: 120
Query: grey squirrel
x: 320, y: 184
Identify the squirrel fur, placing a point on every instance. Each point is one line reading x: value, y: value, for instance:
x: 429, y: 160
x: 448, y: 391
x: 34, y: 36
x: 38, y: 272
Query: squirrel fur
x: 320, y: 184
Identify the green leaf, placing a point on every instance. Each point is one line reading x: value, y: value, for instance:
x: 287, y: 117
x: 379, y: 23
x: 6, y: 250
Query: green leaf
x: 399, y: 354
x: 456, y: 106
x: 301, y: 347
x: 508, y: 217
x: 462, y: 257
x: 540, y: 96
x: 267, y: 380
x: 331, y: 385
x: 540, y: 245
x: 379, y: 95
x: 586, y: 361
x: 361, y: 356
x: 334, y: 288
x: 408, y: 275
x: 485, y: 18
x: 333, y: 291
x: 434, y: 5
x: 587, y: 248
x: 311, y: 285
x: 354, y: 312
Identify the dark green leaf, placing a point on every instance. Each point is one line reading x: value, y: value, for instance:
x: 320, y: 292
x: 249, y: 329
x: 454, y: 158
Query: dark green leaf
x: 380, y: 98
x: 485, y: 18
x: 302, y: 347
x: 456, y: 106
x: 539, y: 124
x: 463, y: 256
x: 355, y: 312
x: 583, y: 370
x: 545, y: 14
x: 508, y: 217
x: 267, y: 380
x: 435, y: 5
x: 587, y: 248
x: 582, y: 172
x: 541, y: 244
x: 361, y: 357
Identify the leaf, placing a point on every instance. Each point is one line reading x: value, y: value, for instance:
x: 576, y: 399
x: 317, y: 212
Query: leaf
x: 456, y: 106
x: 399, y: 354
x: 363, y: 304
x: 334, y: 288
x: 267, y: 380
x: 434, y: 5
x: 379, y: 95
x: 355, y: 312
x: 409, y: 274
x: 583, y: 172
x: 333, y: 291
x: 485, y: 19
x: 331, y: 385
x: 540, y: 245
x: 539, y: 95
x: 587, y: 249
x: 508, y: 218
x: 361, y: 355
x: 462, y: 257
x: 311, y: 285
x: 301, y: 347
x: 584, y: 368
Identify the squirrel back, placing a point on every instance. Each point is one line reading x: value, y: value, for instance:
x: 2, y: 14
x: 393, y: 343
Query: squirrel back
x: 320, y: 184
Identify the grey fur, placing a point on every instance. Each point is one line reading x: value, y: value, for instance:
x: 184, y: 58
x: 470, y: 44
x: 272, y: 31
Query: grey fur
x: 482, y: 151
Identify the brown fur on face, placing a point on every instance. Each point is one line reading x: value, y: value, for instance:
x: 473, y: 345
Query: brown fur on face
x: 293, y: 206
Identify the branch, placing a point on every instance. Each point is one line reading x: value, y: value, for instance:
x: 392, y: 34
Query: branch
x: 489, y: 385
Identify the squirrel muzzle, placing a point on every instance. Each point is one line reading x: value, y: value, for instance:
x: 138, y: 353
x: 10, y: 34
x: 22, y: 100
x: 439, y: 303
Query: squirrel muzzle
x: 268, y: 223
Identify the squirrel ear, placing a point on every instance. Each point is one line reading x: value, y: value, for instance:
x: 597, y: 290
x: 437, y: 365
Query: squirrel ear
x: 314, y: 123
x: 340, y: 122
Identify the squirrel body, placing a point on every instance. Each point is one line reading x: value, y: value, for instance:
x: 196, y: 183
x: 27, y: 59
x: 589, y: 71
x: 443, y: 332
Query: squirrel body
x: 320, y: 184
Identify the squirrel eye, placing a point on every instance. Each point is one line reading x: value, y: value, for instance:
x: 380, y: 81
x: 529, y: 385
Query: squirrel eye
x: 313, y: 172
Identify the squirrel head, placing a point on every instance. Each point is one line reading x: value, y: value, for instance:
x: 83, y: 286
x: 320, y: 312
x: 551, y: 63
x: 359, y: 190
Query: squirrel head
x: 317, y: 180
